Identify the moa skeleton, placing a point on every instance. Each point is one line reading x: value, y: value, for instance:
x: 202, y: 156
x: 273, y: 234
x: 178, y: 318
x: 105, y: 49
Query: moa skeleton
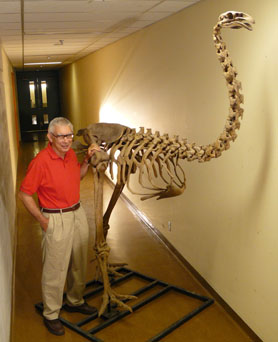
x: 154, y: 157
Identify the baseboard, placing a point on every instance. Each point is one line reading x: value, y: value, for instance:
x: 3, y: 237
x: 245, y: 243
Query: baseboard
x: 148, y: 225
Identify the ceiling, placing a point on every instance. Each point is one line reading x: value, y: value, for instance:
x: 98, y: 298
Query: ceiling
x: 39, y: 31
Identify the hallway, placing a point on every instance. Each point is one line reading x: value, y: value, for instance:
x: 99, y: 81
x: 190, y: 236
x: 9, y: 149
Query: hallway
x: 130, y: 242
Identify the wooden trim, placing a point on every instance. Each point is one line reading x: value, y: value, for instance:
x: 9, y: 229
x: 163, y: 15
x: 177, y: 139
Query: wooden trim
x: 147, y: 223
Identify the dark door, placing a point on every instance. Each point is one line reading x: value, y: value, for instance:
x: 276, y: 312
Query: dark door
x: 38, y: 102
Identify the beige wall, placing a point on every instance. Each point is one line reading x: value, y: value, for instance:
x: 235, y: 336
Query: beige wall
x: 76, y: 93
x: 11, y: 118
x: 167, y: 77
x: 8, y: 166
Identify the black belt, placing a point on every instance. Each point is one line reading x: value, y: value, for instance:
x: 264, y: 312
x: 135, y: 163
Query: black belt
x: 64, y: 210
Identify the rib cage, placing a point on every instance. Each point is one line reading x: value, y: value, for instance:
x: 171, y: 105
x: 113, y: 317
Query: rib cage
x: 152, y: 155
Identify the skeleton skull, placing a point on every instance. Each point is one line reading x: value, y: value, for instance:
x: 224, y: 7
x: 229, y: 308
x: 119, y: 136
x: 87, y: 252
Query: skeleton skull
x: 236, y: 20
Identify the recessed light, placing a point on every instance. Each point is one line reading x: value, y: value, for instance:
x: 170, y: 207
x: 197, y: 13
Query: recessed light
x: 42, y: 63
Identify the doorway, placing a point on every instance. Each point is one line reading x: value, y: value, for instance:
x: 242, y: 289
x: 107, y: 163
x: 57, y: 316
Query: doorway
x: 38, y: 102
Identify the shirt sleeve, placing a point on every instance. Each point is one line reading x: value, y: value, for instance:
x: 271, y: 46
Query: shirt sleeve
x: 33, y: 178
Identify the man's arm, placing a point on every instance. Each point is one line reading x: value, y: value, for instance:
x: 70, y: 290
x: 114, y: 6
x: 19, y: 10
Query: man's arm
x: 33, y: 209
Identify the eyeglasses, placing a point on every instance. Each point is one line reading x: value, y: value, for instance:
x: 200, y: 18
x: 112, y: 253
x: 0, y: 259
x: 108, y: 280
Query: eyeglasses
x: 61, y: 137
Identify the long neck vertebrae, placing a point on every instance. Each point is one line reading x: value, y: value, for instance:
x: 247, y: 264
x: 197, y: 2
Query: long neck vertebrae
x: 205, y: 153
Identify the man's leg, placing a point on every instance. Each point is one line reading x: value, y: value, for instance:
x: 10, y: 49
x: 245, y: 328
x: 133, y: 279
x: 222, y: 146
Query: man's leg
x: 76, y: 279
x: 56, y: 247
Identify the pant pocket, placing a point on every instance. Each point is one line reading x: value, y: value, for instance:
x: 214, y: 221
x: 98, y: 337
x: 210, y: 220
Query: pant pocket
x: 50, y: 226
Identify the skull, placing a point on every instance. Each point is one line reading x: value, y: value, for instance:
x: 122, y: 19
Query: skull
x: 236, y: 20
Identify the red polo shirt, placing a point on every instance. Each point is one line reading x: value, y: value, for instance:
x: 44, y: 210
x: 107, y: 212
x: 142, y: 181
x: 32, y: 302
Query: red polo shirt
x: 55, y: 180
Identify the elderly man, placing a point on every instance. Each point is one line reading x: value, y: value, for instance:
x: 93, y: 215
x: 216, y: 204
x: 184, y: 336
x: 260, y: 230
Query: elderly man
x: 54, y: 174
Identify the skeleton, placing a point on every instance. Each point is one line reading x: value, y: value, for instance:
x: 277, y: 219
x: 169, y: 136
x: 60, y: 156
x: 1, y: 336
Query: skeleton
x: 156, y: 158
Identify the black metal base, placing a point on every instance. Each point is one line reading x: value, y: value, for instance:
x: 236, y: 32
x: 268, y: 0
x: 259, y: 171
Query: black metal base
x: 112, y: 315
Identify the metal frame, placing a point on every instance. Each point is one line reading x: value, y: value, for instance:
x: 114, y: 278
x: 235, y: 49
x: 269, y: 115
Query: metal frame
x: 114, y: 315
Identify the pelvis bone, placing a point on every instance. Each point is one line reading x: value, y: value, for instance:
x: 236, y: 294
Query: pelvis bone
x: 102, y: 133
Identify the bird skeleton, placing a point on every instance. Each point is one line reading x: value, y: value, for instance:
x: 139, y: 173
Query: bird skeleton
x: 155, y: 157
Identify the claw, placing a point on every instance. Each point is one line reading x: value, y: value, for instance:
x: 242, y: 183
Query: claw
x: 110, y: 296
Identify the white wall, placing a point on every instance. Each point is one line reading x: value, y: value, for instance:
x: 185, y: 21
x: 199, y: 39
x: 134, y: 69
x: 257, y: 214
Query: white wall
x: 167, y: 77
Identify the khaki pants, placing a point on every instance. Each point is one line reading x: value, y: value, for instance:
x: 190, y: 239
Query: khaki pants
x: 64, y: 253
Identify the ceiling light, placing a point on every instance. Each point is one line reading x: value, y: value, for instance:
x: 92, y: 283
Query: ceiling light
x: 42, y: 63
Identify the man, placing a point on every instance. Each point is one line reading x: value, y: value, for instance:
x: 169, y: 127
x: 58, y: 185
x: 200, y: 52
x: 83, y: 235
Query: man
x: 54, y: 174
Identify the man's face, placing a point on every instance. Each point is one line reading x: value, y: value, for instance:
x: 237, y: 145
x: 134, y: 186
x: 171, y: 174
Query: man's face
x: 60, y: 145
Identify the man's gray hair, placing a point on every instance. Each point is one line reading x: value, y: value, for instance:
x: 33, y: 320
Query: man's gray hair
x: 60, y: 121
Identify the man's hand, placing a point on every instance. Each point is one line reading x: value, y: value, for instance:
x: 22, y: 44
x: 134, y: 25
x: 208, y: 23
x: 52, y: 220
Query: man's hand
x: 91, y: 151
x: 33, y: 209
x: 44, y: 224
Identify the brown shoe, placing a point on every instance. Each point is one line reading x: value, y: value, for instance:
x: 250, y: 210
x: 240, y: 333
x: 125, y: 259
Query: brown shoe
x: 54, y: 326
x: 84, y: 308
